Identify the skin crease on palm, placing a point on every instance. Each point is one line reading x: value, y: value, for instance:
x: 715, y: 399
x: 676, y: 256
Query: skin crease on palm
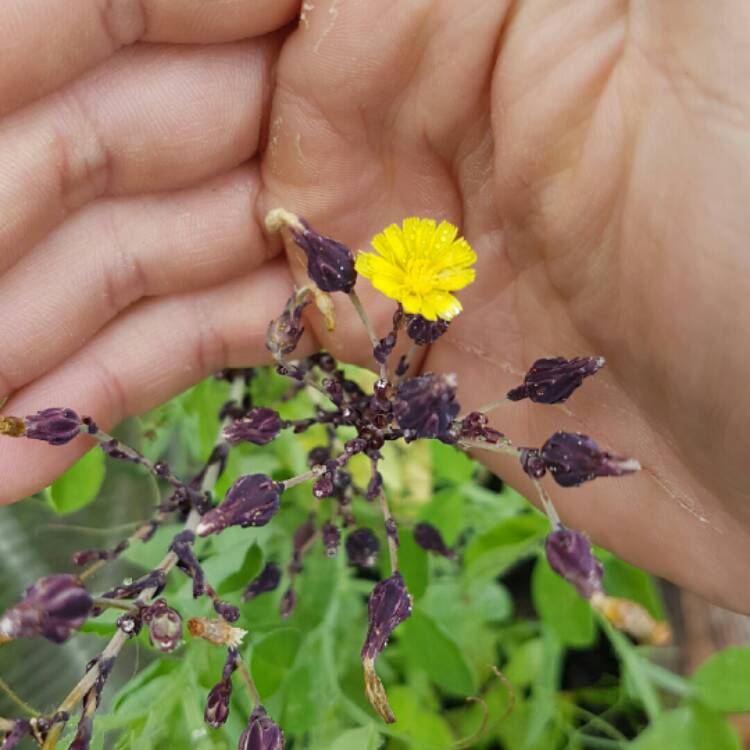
x: 595, y: 153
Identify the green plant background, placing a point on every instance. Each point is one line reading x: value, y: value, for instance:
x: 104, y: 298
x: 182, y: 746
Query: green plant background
x: 576, y: 683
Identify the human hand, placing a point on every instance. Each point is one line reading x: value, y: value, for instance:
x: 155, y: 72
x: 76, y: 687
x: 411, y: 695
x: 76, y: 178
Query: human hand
x: 592, y: 154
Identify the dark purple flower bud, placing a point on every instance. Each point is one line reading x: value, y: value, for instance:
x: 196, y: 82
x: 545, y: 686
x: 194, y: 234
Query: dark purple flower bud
x: 330, y: 264
x: 570, y: 555
x: 84, y: 732
x: 21, y: 728
x: 288, y: 603
x: 425, y: 406
x: 268, y: 580
x: 323, y: 486
x: 226, y: 610
x: 384, y: 347
x: 389, y: 605
x: 531, y: 462
x: 318, y: 456
x: 284, y: 332
x: 262, y: 733
x: 362, y: 547
x: 187, y: 562
x: 164, y: 626
x: 574, y: 458
x: 217, y: 704
x: 53, y: 607
x: 422, y: 331
x: 55, y: 426
x: 252, y: 500
x: 553, y: 380
x: 259, y: 426
x: 430, y: 539
x: 331, y: 538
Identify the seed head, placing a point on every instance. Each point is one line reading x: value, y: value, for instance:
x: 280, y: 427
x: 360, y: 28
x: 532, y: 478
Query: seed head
x: 259, y: 426
x: 252, y: 500
x: 262, y: 733
x: 425, y: 406
x: 574, y: 458
x: 55, y: 426
x: 164, y: 626
x: 570, y: 555
x: 330, y: 264
x: 267, y: 580
x: 553, y: 380
x: 362, y: 547
x: 53, y: 607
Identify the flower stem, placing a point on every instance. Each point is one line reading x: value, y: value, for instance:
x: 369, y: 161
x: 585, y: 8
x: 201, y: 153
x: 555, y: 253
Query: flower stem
x: 15, y: 698
x: 314, y: 473
x: 248, y: 680
x: 391, y: 533
x: 104, y: 603
x: 359, y: 307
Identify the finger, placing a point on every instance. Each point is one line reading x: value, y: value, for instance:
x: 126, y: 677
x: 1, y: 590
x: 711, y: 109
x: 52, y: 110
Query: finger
x: 113, y: 253
x: 153, y: 118
x: 150, y: 353
x: 84, y: 33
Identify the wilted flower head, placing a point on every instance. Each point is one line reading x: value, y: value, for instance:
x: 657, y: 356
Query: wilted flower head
x: 53, y: 607
x: 570, y: 555
x: 330, y: 264
x: 420, y: 264
x: 425, y: 406
x: 216, y: 631
x: 55, y: 426
x: 389, y: 605
x: 284, y: 332
x: 574, y: 458
x: 259, y: 426
x: 422, y: 331
x: 362, y: 547
x: 553, y: 380
x: 252, y: 500
x: 262, y: 733
x: 267, y: 580
x: 164, y: 626
x: 217, y: 703
x: 430, y: 539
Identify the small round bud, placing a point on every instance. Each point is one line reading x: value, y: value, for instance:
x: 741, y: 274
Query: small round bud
x: 570, y: 555
x: 531, y: 462
x: 164, y: 626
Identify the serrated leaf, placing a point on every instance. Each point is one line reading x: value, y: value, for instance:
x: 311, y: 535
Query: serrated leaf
x: 723, y: 682
x: 79, y: 485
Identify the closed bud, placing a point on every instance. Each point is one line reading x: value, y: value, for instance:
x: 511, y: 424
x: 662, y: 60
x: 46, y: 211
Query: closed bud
x: 331, y: 538
x: 574, y: 458
x: 259, y: 426
x: 389, y: 605
x: 284, y: 332
x: 84, y: 733
x: 164, y: 626
x: 252, y: 500
x: 362, y: 547
x: 531, y: 462
x: 217, y: 704
x: 226, y: 610
x: 430, y: 539
x: 570, y: 555
x: 425, y: 406
x: 267, y: 581
x: 330, y: 264
x: 422, y: 331
x: 55, y: 426
x: 553, y: 380
x: 262, y: 733
x: 323, y: 486
x: 53, y: 607
x: 318, y: 456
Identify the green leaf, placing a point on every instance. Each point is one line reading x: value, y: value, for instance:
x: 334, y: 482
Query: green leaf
x: 425, y: 729
x: 79, y: 485
x: 525, y: 663
x: 561, y: 608
x: 546, y: 684
x: 429, y: 646
x: 450, y: 464
x: 691, y: 727
x: 723, y: 682
x: 248, y: 570
x: 364, y: 738
x: 628, y: 582
x: 272, y: 658
x: 413, y: 564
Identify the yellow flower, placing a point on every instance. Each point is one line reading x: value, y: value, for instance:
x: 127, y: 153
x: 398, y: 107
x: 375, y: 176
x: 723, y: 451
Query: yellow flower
x: 419, y: 264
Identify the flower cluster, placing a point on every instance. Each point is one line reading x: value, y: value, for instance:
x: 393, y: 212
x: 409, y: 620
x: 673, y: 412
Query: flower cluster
x: 420, y: 264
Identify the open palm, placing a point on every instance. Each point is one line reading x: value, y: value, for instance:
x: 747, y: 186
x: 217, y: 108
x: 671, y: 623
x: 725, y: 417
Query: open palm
x: 594, y: 154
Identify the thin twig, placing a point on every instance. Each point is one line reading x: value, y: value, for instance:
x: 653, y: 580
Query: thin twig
x: 390, y: 530
x: 359, y: 307
x: 7, y: 725
x: 248, y: 680
x: 15, y: 698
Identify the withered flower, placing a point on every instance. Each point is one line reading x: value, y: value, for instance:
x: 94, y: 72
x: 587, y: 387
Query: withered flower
x: 259, y: 426
x: 389, y: 605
